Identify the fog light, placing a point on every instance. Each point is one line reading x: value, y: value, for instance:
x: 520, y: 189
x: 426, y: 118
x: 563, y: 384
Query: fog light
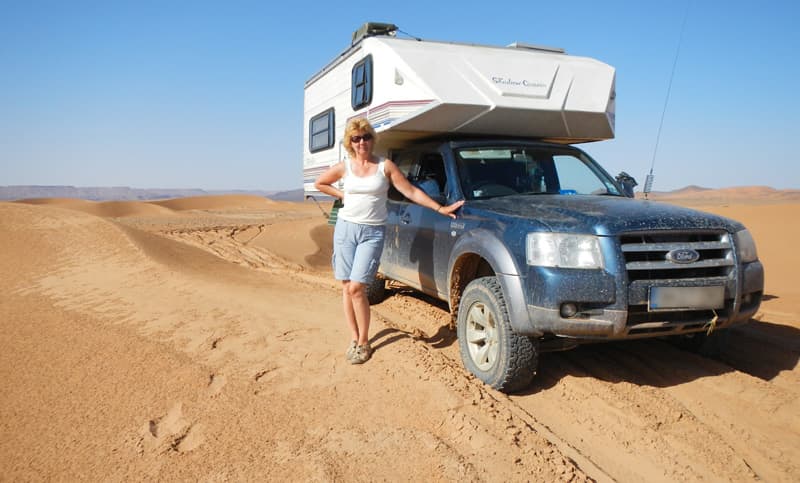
x: 568, y: 310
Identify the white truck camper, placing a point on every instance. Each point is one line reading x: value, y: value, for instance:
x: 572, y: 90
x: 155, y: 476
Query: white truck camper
x: 411, y: 89
x: 549, y: 251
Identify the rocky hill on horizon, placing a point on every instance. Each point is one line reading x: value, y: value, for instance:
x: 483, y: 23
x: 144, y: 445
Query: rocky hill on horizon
x: 725, y: 195
x: 125, y: 193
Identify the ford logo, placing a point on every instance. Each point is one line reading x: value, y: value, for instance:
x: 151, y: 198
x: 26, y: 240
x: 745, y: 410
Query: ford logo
x: 683, y: 255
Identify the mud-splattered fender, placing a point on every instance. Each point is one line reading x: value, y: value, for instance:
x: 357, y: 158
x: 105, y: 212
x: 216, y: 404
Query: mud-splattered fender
x: 488, y: 246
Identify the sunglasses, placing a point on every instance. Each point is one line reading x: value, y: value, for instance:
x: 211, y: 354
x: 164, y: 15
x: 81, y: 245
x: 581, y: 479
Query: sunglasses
x: 358, y: 139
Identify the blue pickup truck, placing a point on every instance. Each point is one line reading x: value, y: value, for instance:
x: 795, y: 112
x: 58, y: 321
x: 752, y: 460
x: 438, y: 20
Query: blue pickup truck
x: 548, y: 252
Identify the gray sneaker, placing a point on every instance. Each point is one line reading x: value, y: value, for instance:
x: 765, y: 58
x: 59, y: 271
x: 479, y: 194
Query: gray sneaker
x: 361, y: 354
x: 351, y: 349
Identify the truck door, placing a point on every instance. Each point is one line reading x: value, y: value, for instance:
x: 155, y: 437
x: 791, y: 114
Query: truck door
x: 419, y: 254
x: 389, y: 259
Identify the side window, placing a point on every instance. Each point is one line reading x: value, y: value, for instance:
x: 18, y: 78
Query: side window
x: 361, y: 86
x: 321, y: 131
x: 431, y: 177
x: 423, y: 170
x: 406, y: 163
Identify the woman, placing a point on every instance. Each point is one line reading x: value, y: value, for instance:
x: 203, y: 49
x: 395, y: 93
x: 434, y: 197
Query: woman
x: 359, y: 232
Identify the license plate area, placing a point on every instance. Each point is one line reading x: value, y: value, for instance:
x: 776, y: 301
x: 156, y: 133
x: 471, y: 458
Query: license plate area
x: 686, y: 298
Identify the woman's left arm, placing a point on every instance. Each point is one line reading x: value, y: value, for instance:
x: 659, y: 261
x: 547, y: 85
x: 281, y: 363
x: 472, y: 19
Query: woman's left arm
x: 415, y: 194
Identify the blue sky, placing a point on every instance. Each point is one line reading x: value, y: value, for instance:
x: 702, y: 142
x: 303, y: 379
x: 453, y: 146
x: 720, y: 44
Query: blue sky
x: 200, y: 94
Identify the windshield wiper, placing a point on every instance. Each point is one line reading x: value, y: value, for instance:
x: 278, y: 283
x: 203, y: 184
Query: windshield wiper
x: 536, y: 193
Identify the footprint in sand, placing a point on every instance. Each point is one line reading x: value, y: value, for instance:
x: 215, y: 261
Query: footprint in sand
x: 191, y: 439
x: 216, y: 383
x: 170, y: 432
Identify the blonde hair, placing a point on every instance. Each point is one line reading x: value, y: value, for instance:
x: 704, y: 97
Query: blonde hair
x: 356, y: 125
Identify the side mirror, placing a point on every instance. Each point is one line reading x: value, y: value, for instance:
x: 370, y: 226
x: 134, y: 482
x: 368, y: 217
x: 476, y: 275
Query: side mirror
x: 627, y: 183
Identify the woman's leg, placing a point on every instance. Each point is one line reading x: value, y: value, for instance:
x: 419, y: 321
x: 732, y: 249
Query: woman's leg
x: 359, y: 305
x: 345, y: 242
x: 349, y: 312
x: 365, y: 263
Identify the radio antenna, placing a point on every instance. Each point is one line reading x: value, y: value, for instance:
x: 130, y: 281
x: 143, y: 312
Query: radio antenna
x: 648, y: 183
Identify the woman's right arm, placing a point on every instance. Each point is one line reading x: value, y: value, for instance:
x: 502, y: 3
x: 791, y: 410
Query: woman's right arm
x: 324, y: 182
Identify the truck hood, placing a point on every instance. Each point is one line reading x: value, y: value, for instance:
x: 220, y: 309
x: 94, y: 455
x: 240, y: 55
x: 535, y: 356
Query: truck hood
x: 599, y: 215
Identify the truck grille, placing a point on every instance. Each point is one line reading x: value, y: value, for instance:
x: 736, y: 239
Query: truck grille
x: 707, y: 259
x: 646, y: 255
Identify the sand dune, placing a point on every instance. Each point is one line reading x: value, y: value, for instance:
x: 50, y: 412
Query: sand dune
x: 217, y: 202
x: 110, y: 209
x: 120, y: 209
x: 202, y: 339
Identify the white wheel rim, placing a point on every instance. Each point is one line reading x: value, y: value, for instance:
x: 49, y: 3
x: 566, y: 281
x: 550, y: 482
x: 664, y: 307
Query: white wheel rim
x: 482, y: 336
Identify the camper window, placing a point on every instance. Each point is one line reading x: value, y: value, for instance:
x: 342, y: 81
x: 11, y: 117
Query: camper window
x: 361, y: 87
x: 320, y: 130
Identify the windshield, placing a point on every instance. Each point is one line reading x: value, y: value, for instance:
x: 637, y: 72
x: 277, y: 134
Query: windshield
x: 489, y: 172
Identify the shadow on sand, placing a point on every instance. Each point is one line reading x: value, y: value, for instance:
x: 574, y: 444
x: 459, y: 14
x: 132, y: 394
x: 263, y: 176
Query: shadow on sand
x: 760, y: 349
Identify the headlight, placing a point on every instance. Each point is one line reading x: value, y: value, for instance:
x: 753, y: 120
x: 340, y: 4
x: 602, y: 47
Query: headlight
x: 563, y: 250
x: 746, y: 247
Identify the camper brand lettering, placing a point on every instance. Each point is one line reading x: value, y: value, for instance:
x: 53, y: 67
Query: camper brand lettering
x: 511, y: 82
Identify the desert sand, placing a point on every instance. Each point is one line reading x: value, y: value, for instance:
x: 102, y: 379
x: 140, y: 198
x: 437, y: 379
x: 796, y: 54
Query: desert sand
x: 202, y: 339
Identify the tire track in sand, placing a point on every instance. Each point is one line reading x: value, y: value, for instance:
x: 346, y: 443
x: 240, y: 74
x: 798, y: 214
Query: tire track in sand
x: 629, y: 411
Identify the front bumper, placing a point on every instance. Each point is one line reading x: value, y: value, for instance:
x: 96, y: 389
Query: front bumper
x: 606, y: 312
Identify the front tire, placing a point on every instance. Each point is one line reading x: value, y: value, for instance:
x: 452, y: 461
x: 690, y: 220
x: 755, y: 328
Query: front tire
x: 489, y: 347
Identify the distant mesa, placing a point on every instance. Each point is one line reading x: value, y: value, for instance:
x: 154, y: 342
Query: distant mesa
x: 124, y: 193
x: 49, y: 194
x: 690, y: 189
x: 726, y: 195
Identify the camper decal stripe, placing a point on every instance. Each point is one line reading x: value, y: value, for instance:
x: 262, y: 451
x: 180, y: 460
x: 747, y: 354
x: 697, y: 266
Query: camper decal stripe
x: 384, y: 115
x: 310, y: 175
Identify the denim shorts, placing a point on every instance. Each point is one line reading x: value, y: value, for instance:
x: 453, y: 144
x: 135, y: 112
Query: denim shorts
x: 357, y: 251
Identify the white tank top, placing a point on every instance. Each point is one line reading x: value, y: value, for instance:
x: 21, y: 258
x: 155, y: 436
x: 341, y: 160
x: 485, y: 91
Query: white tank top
x: 365, y: 197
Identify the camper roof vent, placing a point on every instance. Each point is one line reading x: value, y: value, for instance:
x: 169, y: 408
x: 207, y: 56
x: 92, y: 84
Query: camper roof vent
x: 523, y: 45
x: 371, y: 29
